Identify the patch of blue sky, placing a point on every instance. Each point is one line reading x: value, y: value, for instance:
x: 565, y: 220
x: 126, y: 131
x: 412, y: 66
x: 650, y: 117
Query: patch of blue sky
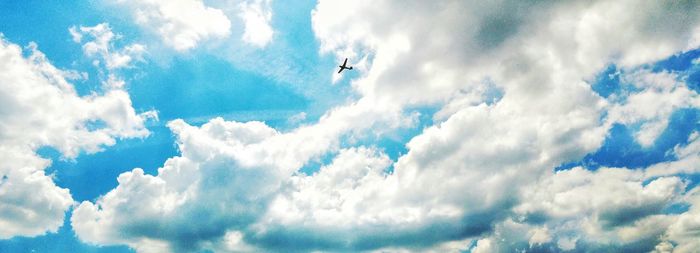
x: 693, y: 80
x: 687, y: 63
x: 393, y: 144
x: 607, y: 82
x: 692, y: 180
x: 292, y: 58
x: 91, y: 175
x: 679, y: 62
x: 620, y: 149
x: 315, y: 164
x: 47, y: 23
x: 677, y: 208
x: 205, y: 87
x: 493, y: 94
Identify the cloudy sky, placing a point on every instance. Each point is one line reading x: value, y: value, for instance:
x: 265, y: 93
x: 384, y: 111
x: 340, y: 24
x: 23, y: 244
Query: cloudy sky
x: 465, y: 126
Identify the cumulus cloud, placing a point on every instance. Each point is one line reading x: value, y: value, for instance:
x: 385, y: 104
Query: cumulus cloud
x: 243, y: 164
x: 24, y: 211
x: 181, y: 24
x: 607, y: 207
x: 38, y: 108
x: 509, y: 78
x: 684, y: 231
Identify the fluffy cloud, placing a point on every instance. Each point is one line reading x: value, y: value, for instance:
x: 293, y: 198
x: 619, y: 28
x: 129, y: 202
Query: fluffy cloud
x: 509, y: 77
x: 226, y: 177
x: 39, y: 108
x: 609, y: 209
x: 688, y: 161
x: 659, y: 95
x: 256, y: 16
x: 685, y: 230
x: 609, y: 206
x: 531, y: 46
x: 101, y: 46
x: 181, y: 24
x: 24, y: 211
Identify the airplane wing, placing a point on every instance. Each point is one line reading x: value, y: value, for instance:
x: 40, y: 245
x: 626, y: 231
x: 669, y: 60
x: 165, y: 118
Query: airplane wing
x: 341, y: 69
x: 345, y: 62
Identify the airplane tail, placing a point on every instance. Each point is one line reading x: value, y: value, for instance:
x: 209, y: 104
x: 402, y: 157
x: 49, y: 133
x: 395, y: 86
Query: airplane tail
x: 349, y: 67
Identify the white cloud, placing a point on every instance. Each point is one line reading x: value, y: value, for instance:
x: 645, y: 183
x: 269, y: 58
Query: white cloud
x: 529, y: 46
x: 243, y: 164
x: 609, y: 206
x: 688, y: 160
x: 39, y: 108
x: 539, y: 236
x: 181, y: 24
x: 30, y: 203
x: 660, y: 95
x: 685, y: 230
x: 256, y: 15
x: 484, y: 246
x: 102, y: 46
x: 483, y: 169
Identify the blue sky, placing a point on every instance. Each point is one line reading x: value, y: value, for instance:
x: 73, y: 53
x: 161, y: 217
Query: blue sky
x: 222, y: 126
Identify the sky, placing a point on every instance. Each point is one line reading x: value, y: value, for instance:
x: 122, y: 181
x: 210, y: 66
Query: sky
x: 464, y: 126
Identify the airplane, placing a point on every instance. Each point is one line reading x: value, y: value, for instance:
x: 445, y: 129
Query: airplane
x: 344, y: 66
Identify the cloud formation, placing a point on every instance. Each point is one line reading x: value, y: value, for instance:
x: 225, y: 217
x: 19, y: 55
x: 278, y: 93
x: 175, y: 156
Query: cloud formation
x: 246, y: 164
x: 39, y: 107
x: 101, y: 46
x: 509, y: 78
x: 181, y: 24
x: 256, y: 17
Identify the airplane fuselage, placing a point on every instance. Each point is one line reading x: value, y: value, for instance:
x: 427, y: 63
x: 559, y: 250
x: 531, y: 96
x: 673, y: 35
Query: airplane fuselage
x: 344, y: 66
